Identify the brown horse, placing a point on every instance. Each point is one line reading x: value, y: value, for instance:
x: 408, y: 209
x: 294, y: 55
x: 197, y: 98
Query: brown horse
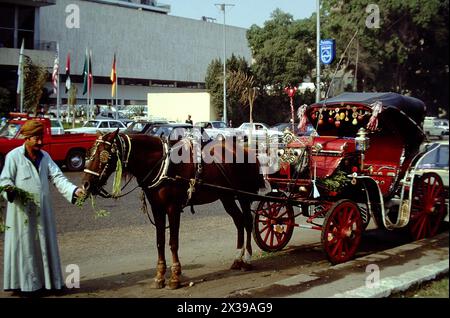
x: 166, y: 182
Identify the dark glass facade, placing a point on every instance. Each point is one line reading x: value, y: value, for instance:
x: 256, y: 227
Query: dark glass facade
x: 16, y: 23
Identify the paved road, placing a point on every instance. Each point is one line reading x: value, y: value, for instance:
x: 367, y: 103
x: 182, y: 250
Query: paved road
x: 117, y: 254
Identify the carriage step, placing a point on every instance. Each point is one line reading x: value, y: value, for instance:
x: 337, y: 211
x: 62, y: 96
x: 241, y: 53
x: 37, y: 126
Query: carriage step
x: 402, y: 219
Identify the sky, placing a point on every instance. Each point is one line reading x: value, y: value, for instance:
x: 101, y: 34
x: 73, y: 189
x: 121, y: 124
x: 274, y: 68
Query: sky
x: 243, y: 14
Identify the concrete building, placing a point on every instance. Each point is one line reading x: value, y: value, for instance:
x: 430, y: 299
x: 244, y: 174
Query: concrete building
x: 155, y: 52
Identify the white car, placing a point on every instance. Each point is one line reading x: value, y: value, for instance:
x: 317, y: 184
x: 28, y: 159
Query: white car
x: 216, y: 129
x: 435, y: 127
x: 259, y: 131
x: 102, y: 125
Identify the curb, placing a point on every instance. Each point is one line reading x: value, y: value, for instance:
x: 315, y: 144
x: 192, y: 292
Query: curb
x: 402, y: 282
x: 401, y: 267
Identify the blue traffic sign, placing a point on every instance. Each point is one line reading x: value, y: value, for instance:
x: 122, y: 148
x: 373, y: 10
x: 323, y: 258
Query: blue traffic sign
x: 327, y: 51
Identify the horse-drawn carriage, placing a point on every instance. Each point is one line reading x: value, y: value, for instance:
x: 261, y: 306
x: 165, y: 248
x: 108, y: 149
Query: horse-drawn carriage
x: 360, y: 165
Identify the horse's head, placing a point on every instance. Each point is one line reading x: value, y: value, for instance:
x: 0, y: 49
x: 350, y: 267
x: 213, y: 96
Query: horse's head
x: 101, y: 162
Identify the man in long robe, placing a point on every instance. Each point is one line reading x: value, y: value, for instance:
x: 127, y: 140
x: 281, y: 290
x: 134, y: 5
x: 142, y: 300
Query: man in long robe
x: 31, y: 256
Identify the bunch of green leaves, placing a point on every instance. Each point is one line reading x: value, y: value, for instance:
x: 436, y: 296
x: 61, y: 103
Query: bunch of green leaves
x: 335, y: 182
x: 23, y: 196
x: 98, y: 213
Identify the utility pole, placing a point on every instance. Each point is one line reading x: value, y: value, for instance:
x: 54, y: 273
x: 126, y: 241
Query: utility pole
x: 355, y: 80
x: 318, y: 51
x: 222, y: 7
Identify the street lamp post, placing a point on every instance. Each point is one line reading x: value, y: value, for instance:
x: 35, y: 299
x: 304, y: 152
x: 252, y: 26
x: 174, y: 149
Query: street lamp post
x: 290, y: 91
x: 222, y: 7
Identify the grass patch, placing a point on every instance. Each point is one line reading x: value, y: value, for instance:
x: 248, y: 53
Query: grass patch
x: 433, y: 289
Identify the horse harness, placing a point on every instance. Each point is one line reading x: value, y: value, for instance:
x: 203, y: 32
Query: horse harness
x: 123, y: 155
x: 105, y: 155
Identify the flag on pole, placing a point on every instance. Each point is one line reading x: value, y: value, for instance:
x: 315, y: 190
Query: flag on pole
x: 85, y: 73
x: 68, y: 82
x: 56, y: 71
x: 20, y: 70
x: 113, y: 77
x: 90, y: 72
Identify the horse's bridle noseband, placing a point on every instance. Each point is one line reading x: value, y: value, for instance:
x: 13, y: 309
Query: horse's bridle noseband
x: 105, y: 157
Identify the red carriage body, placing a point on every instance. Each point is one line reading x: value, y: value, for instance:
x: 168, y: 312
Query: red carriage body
x: 360, y: 164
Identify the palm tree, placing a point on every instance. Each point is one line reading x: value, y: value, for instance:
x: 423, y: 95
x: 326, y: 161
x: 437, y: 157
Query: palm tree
x: 72, y: 100
x: 35, y: 77
x: 244, y: 86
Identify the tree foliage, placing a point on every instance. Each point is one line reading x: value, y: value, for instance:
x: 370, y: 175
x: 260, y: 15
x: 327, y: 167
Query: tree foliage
x: 35, y: 77
x: 243, y: 85
x: 214, y: 86
x: 5, y: 102
x: 407, y: 54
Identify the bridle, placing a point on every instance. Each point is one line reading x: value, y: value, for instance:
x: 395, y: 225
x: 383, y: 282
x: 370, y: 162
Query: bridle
x: 123, y: 157
x: 105, y: 157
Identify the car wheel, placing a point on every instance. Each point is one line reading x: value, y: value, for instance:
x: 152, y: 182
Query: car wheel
x: 75, y: 160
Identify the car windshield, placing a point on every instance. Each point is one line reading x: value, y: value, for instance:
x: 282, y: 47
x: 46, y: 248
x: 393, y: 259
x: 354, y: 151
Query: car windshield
x: 438, y: 158
x: 55, y: 123
x: 91, y: 124
x: 9, y: 131
x: 137, y: 127
x: 219, y: 124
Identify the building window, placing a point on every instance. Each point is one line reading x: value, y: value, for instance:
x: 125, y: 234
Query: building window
x: 16, y: 23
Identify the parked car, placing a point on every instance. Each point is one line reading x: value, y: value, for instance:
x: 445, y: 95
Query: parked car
x: 56, y: 127
x: 216, y: 129
x: 102, y: 125
x: 112, y: 115
x: 283, y: 126
x: 259, y: 131
x: 143, y: 126
x: 64, y: 149
x: 436, y: 161
x: 435, y: 127
x: 171, y: 131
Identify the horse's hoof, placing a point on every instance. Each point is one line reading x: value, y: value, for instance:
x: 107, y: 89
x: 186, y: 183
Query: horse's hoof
x: 158, y: 284
x: 174, y: 284
x: 246, y: 267
x: 237, y: 264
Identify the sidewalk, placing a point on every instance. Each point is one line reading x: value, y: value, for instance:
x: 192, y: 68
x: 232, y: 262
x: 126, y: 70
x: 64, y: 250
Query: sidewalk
x: 373, y: 276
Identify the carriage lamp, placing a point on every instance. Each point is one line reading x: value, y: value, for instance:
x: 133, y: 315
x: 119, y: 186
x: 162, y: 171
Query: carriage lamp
x: 362, y: 144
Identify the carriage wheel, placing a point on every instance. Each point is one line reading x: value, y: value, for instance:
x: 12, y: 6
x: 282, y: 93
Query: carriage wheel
x: 428, y: 206
x: 273, y: 224
x: 341, y: 232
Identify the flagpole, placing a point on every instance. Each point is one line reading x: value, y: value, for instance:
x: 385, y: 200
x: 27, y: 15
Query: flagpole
x: 21, y: 76
x: 88, y: 104
x: 58, y: 101
x: 92, y: 84
x: 117, y: 85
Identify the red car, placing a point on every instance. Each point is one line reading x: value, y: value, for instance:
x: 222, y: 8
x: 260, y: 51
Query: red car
x: 68, y: 149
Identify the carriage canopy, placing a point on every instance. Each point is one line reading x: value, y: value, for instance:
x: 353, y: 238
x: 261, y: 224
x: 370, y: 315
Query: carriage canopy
x: 387, y: 113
